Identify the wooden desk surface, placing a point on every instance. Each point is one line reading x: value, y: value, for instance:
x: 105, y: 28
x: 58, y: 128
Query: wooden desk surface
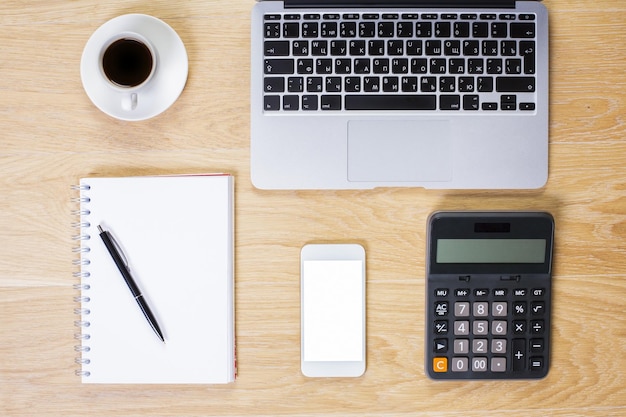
x: 51, y: 135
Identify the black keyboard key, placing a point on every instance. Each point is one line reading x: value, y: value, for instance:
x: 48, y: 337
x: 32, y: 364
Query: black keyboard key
x: 357, y: 48
x: 527, y: 50
x: 362, y: 66
x: 367, y: 29
x: 522, y: 30
x: 386, y: 29
x: 527, y: 106
x: 518, y: 354
x: 391, y: 84
x: 484, y: 84
x: 305, y: 66
x: 291, y: 103
x: 410, y: 84
x: 452, y: 48
x: 461, y: 29
x: 347, y: 30
x: 381, y: 65
x: 515, y: 84
x: 352, y: 84
x: 509, y: 102
x: 376, y: 48
x: 319, y: 48
x: 405, y: 29
x: 314, y: 84
x: 450, y: 102
x: 442, y: 29
x: 480, y: 29
x: 498, y: 30
x: 513, y: 66
x: 494, y: 66
x: 323, y: 66
x: 309, y: 102
x: 291, y: 30
x: 343, y: 66
x: 371, y: 84
x: 276, y: 48
x: 279, y: 66
x: 428, y: 84
x: 310, y: 29
x: 331, y: 102
x: 274, y: 84
x: 391, y: 102
x: 395, y: 47
x: 272, y: 30
x: 433, y: 47
x: 300, y: 48
x: 423, y: 29
x: 333, y: 84
x: 328, y: 29
x: 295, y: 84
x: 338, y: 48
x: 470, y: 102
x: 271, y: 103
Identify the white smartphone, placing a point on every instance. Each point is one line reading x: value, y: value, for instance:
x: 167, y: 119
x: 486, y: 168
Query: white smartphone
x: 332, y: 291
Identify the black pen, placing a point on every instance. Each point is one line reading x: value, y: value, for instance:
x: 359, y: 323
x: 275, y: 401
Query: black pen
x: 118, y: 258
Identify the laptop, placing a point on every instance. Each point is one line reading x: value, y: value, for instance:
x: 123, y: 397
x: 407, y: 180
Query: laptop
x: 359, y: 94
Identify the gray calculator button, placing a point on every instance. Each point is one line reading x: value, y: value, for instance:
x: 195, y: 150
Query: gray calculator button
x: 461, y: 328
x: 499, y: 309
x: 461, y: 346
x: 498, y: 327
x: 479, y: 364
x: 481, y: 327
x: 498, y: 364
x: 461, y: 309
x: 479, y: 345
x: 481, y: 309
x: 459, y: 365
x: 498, y: 346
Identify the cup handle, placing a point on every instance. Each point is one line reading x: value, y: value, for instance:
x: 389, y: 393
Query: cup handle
x: 129, y: 101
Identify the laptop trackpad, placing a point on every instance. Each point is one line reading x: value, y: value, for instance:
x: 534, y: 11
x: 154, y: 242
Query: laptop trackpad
x: 399, y: 150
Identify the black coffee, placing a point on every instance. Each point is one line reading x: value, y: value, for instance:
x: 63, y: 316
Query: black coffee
x: 127, y: 62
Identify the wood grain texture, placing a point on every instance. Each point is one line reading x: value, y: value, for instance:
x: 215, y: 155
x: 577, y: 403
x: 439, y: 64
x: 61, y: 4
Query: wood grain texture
x: 51, y: 135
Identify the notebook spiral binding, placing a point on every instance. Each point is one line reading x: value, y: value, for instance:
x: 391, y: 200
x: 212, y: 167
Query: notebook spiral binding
x: 82, y: 275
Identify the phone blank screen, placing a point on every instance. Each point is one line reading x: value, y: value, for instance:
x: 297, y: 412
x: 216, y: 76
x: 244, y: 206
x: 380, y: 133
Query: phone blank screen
x: 332, y: 310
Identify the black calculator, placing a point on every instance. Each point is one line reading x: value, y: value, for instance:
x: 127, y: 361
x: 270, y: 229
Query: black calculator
x: 488, y: 291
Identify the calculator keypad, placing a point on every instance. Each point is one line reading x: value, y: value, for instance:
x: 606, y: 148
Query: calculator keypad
x: 499, y: 332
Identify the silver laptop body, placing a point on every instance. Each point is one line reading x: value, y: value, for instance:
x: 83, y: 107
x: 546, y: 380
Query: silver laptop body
x: 441, y: 94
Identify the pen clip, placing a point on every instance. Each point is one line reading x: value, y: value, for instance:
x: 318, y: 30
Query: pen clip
x: 119, y: 249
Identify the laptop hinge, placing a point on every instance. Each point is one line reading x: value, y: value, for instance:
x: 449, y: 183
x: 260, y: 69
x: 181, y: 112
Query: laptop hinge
x: 399, y: 3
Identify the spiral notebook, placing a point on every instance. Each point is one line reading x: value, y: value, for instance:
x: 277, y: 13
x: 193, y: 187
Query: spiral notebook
x: 177, y: 234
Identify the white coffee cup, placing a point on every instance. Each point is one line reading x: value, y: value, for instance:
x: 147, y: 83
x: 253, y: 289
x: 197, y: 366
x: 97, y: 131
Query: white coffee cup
x: 134, y: 67
x: 128, y: 62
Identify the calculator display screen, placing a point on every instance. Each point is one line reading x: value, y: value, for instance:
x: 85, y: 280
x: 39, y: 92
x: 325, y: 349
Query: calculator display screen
x: 501, y: 251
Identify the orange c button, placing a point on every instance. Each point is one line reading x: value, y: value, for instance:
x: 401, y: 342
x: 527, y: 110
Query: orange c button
x: 440, y: 364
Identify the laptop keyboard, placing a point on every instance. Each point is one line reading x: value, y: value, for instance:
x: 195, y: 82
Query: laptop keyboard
x: 463, y: 62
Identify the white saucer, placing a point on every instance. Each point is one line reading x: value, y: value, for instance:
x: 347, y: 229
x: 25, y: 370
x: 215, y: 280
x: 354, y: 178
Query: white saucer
x: 161, y: 91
